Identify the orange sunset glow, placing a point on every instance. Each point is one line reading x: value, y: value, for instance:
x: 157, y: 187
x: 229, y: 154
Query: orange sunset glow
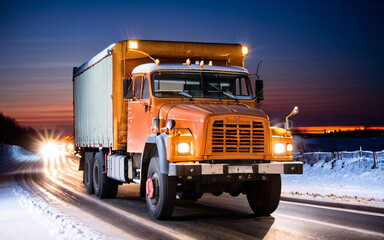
x: 328, y: 129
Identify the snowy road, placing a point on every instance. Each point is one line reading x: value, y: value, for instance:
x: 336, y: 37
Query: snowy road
x: 58, y: 184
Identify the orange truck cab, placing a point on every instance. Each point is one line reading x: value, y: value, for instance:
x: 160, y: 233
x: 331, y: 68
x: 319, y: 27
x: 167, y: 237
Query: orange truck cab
x: 180, y: 119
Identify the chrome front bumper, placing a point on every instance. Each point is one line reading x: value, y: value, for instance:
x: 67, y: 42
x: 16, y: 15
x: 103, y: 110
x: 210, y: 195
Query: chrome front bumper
x: 176, y: 169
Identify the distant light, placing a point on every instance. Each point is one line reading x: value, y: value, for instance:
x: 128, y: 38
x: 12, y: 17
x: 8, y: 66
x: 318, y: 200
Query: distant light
x: 245, y: 50
x: 70, y: 146
x: 202, y: 63
x: 210, y: 63
x: 133, y: 44
x: 50, y: 149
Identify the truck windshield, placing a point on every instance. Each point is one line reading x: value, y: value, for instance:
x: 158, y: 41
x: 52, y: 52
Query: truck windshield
x: 201, y: 85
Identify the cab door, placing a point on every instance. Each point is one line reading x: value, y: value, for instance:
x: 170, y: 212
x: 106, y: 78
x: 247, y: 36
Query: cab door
x: 139, y: 115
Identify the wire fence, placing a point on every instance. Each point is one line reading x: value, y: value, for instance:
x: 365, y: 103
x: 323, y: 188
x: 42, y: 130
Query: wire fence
x: 365, y: 157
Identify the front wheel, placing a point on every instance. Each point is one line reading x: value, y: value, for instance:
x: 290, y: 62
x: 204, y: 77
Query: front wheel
x: 160, y: 191
x: 264, y: 196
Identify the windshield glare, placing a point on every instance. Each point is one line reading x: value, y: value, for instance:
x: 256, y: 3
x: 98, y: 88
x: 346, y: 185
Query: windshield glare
x: 201, y: 85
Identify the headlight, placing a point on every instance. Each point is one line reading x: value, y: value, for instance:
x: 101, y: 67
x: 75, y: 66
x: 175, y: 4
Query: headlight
x: 183, y: 147
x: 289, y: 147
x: 279, y: 148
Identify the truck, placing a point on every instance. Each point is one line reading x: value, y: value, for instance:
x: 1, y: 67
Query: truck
x: 181, y: 119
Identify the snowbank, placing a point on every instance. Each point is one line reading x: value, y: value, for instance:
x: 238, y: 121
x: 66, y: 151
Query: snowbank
x: 344, y: 174
x: 12, y: 156
x: 61, y: 225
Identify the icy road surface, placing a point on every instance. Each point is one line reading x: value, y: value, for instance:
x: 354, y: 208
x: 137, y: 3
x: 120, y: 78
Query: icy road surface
x: 45, y: 199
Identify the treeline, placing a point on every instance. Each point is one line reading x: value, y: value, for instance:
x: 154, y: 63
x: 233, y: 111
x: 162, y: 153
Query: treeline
x: 343, y: 134
x: 12, y: 133
x: 356, y: 133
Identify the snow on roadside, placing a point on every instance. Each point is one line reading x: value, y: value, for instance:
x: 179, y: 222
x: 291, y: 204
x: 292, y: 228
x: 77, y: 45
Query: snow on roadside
x: 12, y: 156
x: 62, y: 226
x: 350, y: 179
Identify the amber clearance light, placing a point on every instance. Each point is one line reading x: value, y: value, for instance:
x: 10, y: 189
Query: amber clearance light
x: 133, y: 44
x: 245, y: 50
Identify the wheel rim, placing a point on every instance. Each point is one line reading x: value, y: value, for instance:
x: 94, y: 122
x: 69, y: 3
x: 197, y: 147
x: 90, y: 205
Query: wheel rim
x: 156, y: 190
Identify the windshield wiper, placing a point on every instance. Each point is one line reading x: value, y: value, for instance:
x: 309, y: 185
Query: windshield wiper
x: 222, y: 92
x: 186, y: 95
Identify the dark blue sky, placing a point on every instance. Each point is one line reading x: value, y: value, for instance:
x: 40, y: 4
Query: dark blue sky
x: 327, y: 57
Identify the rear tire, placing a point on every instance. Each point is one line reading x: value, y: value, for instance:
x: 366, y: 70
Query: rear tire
x: 264, y: 197
x: 104, y: 187
x: 162, y: 203
x: 88, y: 177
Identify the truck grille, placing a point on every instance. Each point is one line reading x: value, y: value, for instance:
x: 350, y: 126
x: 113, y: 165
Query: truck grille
x: 237, y: 137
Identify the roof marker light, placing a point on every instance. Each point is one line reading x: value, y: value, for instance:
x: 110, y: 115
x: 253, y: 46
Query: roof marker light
x: 157, y: 61
x: 188, y: 62
x: 245, y: 50
x: 133, y: 44
x: 210, y: 63
x: 202, y: 63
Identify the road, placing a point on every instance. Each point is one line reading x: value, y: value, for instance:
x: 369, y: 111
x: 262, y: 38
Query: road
x: 58, y: 182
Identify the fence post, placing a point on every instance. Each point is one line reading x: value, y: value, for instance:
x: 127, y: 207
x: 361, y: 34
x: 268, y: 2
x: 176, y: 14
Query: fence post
x: 374, y: 160
x: 360, y: 157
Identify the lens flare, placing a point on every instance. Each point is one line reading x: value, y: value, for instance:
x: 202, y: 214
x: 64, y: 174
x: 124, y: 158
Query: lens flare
x: 50, y: 149
x: 52, y: 144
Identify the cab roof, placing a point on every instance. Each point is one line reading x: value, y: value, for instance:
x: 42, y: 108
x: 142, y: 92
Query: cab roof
x: 150, y: 67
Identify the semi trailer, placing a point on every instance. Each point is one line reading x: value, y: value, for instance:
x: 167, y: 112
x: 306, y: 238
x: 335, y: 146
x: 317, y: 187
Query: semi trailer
x: 180, y: 119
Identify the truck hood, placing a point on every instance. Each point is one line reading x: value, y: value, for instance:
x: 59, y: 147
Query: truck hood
x: 202, y: 111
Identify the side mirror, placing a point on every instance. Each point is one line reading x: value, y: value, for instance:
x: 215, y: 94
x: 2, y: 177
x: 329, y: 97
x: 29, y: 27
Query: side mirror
x: 128, y: 88
x: 259, y: 91
x: 288, y: 124
x: 294, y: 112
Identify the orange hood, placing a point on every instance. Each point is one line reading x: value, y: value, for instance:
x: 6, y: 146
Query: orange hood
x: 202, y: 111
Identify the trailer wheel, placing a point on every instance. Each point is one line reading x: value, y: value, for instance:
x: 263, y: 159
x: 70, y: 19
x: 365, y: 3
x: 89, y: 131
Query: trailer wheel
x: 264, y: 196
x: 87, y: 174
x: 160, y: 191
x: 104, y: 186
x: 190, y: 195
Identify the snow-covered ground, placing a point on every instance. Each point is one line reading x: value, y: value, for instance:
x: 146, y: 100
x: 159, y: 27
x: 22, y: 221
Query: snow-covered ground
x: 345, y: 177
x: 25, y: 216
x: 12, y: 157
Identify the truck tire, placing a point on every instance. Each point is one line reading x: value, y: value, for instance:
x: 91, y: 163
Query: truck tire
x: 264, y: 197
x: 87, y: 174
x: 161, y: 200
x: 104, y: 187
x: 190, y: 195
